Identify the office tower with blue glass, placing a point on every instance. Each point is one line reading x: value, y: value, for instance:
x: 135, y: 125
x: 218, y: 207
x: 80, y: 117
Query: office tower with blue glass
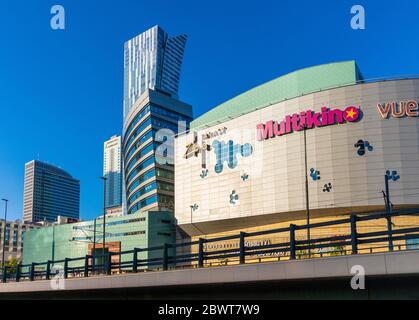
x: 152, y: 113
x: 112, y: 171
x: 49, y: 192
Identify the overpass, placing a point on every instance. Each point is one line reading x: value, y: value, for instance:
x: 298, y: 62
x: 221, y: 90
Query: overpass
x: 388, y: 275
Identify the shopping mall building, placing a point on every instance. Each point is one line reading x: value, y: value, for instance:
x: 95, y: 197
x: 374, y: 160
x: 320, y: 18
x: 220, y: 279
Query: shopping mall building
x: 322, y: 133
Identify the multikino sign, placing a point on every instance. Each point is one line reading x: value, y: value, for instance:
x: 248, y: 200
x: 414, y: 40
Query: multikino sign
x: 307, y: 119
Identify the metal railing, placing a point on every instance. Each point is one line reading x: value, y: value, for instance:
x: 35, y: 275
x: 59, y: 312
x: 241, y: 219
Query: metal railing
x: 197, y: 255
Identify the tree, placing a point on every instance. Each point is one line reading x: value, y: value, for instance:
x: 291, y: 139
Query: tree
x: 11, y: 264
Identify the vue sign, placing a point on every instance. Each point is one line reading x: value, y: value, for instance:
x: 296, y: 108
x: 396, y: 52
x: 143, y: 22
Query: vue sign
x: 398, y: 110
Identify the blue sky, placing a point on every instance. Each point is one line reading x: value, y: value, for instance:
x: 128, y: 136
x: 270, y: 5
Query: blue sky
x: 61, y: 92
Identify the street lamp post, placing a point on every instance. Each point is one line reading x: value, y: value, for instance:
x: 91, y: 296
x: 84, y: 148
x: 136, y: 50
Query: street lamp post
x: 4, y: 230
x: 389, y: 176
x: 94, y: 246
x: 104, y: 221
x: 306, y: 189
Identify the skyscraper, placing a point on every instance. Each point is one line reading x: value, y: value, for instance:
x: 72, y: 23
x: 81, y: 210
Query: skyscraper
x: 112, y: 170
x: 152, y: 60
x: 151, y: 115
x: 49, y: 192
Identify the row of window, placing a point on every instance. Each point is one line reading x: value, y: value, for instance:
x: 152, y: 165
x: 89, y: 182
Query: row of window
x: 157, y: 110
x: 113, y: 223
x: 144, y: 177
x: 150, y: 174
x: 7, y: 237
x: 165, y: 174
x: 152, y: 186
x: 111, y: 235
x: 143, y: 203
x: 142, y: 165
x: 142, y: 191
x: 150, y: 147
x: 137, y: 118
x: 143, y: 125
x: 121, y: 234
x: 165, y: 186
x: 156, y: 125
x: 149, y: 134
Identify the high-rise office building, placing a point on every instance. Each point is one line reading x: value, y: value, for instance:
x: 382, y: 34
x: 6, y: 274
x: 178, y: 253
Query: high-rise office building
x: 151, y: 115
x: 49, y: 192
x: 112, y: 170
x: 148, y: 151
x: 152, y: 60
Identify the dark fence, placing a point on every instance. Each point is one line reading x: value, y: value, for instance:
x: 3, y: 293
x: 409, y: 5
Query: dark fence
x: 196, y: 255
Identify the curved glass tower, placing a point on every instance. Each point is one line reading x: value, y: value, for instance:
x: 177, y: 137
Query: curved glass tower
x: 152, y: 114
x: 148, y: 151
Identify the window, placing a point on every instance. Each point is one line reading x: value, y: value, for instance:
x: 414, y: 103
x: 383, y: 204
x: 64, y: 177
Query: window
x: 15, y: 237
x: 166, y: 186
x: 144, y: 177
x: 412, y: 244
x: 145, y: 124
x: 142, y: 191
x: 142, y: 165
x: 166, y: 234
x: 113, y: 223
x: 156, y: 110
x: 149, y: 134
x: 165, y: 174
x: 150, y: 147
x: 7, y: 236
x: 143, y: 203
x: 137, y: 119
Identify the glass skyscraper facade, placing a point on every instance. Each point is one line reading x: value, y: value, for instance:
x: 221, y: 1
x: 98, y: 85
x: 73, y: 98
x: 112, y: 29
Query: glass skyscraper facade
x: 49, y: 192
x: 152, y: 113
x: 148, y: 151
x: 112, y: 171
x: 152, y: 60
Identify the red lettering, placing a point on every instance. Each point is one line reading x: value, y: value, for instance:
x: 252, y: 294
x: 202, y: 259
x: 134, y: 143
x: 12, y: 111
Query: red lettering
x: 334, y: 116
x: 312, y: 119
x: 265, y: 131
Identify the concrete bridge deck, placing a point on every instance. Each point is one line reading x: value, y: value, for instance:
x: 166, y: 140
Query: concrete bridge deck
x: 391, y: 274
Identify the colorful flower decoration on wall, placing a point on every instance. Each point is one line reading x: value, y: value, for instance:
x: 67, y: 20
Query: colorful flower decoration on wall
x: 234, y: 197
x: 245, y: 176
x: 327, y: 187
x: 314, y: 174
x: 204, y: 173
x: 362, y: 147
x: 227, y: 152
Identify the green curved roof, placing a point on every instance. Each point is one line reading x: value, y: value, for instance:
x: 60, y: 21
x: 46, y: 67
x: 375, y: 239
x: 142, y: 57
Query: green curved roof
x: 289, y: 86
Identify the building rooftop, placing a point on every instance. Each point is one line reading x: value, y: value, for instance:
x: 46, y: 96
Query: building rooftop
x: 53, y: 168
x: 291, y: 85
